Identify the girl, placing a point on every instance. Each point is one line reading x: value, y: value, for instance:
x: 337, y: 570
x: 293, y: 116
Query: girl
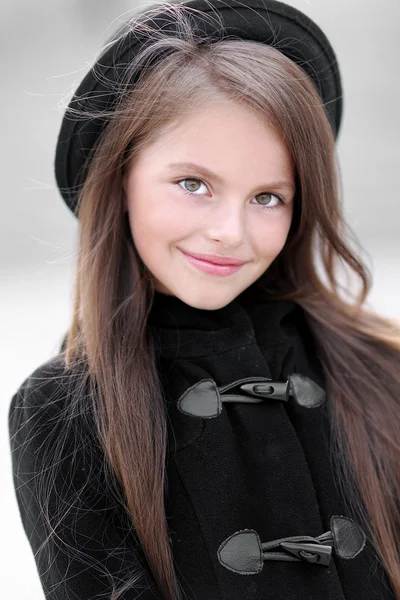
x: 220, y: 423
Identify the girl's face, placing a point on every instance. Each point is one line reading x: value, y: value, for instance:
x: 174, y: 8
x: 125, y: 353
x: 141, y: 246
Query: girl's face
x: 234, y: 200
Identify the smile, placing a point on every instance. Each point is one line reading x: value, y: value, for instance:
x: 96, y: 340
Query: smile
x: 211, y: 268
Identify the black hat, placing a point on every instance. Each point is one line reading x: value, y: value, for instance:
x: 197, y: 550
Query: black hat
x: 266, y: 21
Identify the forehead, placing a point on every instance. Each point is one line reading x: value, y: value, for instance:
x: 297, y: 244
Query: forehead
x: 219, y: 135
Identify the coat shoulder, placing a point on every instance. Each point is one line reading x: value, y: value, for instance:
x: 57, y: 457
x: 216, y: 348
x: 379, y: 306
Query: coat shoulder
x: 49, y: 383
x: 49, y: 392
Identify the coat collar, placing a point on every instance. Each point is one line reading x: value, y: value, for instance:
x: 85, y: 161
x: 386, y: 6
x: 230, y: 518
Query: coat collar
x: 248, y: 338
x: 185, y: 332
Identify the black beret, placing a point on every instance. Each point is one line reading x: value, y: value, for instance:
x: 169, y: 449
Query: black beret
x: 266, y: 21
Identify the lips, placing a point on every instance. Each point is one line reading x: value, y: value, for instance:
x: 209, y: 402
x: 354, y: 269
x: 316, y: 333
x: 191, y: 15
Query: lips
x: 211, y: 268
x: 215, y: 260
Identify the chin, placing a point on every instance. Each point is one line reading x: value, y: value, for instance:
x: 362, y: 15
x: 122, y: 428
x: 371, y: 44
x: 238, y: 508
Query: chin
x: 208, y: 301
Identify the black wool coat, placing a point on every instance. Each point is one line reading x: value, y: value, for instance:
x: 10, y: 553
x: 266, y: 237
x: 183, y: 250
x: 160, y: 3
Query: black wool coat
x: 253, y: 504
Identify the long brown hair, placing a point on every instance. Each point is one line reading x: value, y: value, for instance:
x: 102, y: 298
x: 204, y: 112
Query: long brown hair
x: 358, y: 349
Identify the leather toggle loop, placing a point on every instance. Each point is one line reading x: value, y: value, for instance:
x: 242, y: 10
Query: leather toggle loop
x: 244, y: 553
x: 204, y: 399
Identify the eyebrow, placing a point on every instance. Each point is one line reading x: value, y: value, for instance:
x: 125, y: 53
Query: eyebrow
x: 204, y: 172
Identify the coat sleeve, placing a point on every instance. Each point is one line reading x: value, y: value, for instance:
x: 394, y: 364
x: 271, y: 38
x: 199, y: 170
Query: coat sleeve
x: 62, y: 489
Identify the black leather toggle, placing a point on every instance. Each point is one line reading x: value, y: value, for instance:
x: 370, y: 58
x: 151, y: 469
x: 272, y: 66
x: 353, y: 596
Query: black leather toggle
x: 348, y: 537
x: 313, y: 553
x: 306, y: 392
x: 244, y: 553
x: 204, y: 399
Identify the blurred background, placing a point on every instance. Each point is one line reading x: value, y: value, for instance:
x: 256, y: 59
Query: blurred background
x: 47, y: 47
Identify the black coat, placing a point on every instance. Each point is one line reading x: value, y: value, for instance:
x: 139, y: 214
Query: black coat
x: 246, y: 467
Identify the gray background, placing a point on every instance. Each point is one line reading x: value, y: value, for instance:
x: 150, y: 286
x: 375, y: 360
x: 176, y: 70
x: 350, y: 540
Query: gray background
x: 46, y: 48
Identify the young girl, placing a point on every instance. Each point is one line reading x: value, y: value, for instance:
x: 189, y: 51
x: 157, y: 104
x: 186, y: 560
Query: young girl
x: 220, y: 423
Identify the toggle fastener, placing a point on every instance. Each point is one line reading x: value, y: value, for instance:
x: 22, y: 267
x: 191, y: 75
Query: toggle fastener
x: 244, y: 553
x: 204, y: 399
x: 278, y: 390
x: 317, y: 553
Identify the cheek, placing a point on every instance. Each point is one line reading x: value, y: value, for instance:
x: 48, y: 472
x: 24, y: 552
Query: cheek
x: 156, y: 219
x: 270, y: 234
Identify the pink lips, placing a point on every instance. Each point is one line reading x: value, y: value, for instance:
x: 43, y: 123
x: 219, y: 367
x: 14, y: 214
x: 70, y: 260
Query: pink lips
x: 216, y: 259
x: 212, y: 268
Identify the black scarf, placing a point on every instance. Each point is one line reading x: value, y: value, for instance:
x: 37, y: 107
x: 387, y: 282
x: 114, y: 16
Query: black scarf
x: 266, y: 466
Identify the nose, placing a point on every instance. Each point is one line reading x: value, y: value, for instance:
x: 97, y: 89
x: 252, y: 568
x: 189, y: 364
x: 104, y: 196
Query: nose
x: 227, y: 223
